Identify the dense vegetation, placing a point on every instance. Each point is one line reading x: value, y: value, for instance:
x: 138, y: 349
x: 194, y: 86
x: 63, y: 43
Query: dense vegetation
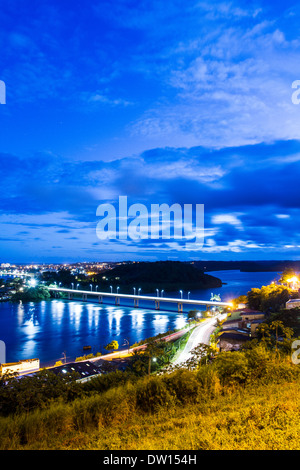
x: 167, y: 275
x: 242, y: 400
x: 249, y: 266
x: 32, y: 294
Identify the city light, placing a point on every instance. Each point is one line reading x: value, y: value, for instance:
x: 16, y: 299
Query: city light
x: 293, y: 281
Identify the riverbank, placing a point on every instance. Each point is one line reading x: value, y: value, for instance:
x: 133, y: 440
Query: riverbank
x: 48, y: 329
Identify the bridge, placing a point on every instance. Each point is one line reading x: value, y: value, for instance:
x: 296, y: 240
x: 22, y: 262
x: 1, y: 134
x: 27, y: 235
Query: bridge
x: 137, y: 298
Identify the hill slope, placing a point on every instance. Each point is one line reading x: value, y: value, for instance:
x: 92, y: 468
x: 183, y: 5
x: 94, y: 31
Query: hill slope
x: 167, y: 275
x: 166, y: 414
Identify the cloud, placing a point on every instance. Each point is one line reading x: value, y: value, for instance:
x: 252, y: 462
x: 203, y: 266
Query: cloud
x: 244, y: 191
x: 230, y: 219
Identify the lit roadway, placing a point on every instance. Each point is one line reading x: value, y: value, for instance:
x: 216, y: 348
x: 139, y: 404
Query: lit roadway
x: 137, y: 298
x: 200, y: 334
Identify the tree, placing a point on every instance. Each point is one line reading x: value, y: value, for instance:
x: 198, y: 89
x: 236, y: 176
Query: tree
x: 32, y: 293
x: 141, y: 359
x: 232, y: 367
x: 287, y: 273
x: 254, y: 298
x: 263, y: 332
x: 287, y: 332
x: 113, y: 345
x: 155, y: 349
x: 194, y: 314
x: 201, y: 354
x: 242, y: 299
x: 19, y: 394
x: 271, y: 297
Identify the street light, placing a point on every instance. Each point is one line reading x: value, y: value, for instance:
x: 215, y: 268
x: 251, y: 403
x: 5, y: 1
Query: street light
x: 110, y: 289
x: 188, y: 295
x: 181, y: 293
x: 118, y: 289
x: 157, y: 291
x: 126, y: 343
x: 149, y: 364
x: 134, y: 290
x: 72, y: 283
x: 162, y: 293
x: 91, y: 287
x: 77, y: 286
x: 139, y: 290
x: 97, y: 288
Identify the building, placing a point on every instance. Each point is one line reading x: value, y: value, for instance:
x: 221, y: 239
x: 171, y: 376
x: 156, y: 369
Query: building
x: 85, y: 369
x: 21, y: 367
x: 248, y: 315
x: 228, y: 324
x: 236, y: 332
x: 254, y: 325
x: 232, y: 340
x: 292, y: 303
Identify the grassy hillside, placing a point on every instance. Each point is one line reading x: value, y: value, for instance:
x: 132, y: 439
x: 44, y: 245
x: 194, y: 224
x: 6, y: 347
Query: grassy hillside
x: 244, y: 400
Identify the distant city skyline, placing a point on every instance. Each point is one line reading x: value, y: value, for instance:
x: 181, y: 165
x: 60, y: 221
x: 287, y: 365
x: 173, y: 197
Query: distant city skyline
x: 162, y: 102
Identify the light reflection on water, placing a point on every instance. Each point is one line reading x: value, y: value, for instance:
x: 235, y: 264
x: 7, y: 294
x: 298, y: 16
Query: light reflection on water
x: 47, y: 329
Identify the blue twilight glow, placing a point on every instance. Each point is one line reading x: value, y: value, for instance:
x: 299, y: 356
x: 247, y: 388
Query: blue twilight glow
x: 160, y: 101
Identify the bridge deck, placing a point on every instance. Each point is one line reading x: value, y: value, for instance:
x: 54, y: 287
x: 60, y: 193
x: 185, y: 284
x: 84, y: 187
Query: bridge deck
x: 143, y: 297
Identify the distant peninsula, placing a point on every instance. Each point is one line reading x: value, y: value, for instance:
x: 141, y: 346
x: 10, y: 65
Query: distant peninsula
x: 249, y: 266
x: 149, y: 276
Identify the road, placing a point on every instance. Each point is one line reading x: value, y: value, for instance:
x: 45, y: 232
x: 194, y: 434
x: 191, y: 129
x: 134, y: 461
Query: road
x: 200, y: 334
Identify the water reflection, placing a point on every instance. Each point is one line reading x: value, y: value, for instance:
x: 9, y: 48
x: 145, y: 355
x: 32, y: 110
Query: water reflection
x: 45, y: 329
x: 114, y: 320
x: 180, y: 322
x: 137, y: 319
x: 160, y: 323
x: 20, y: 313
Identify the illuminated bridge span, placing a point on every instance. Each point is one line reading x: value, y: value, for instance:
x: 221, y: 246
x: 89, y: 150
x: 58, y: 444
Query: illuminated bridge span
x: 136, y: 298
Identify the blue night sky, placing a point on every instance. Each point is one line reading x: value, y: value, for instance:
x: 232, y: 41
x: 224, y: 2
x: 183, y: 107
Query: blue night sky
x: 162, y: 101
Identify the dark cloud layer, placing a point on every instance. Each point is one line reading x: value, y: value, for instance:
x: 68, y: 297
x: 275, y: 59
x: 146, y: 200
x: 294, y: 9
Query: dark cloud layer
x: 250, y: 193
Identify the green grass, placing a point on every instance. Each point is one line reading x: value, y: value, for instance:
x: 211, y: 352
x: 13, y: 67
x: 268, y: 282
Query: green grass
x: 234, y: 316
x: 266, y: 417
x: 212, y: 408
